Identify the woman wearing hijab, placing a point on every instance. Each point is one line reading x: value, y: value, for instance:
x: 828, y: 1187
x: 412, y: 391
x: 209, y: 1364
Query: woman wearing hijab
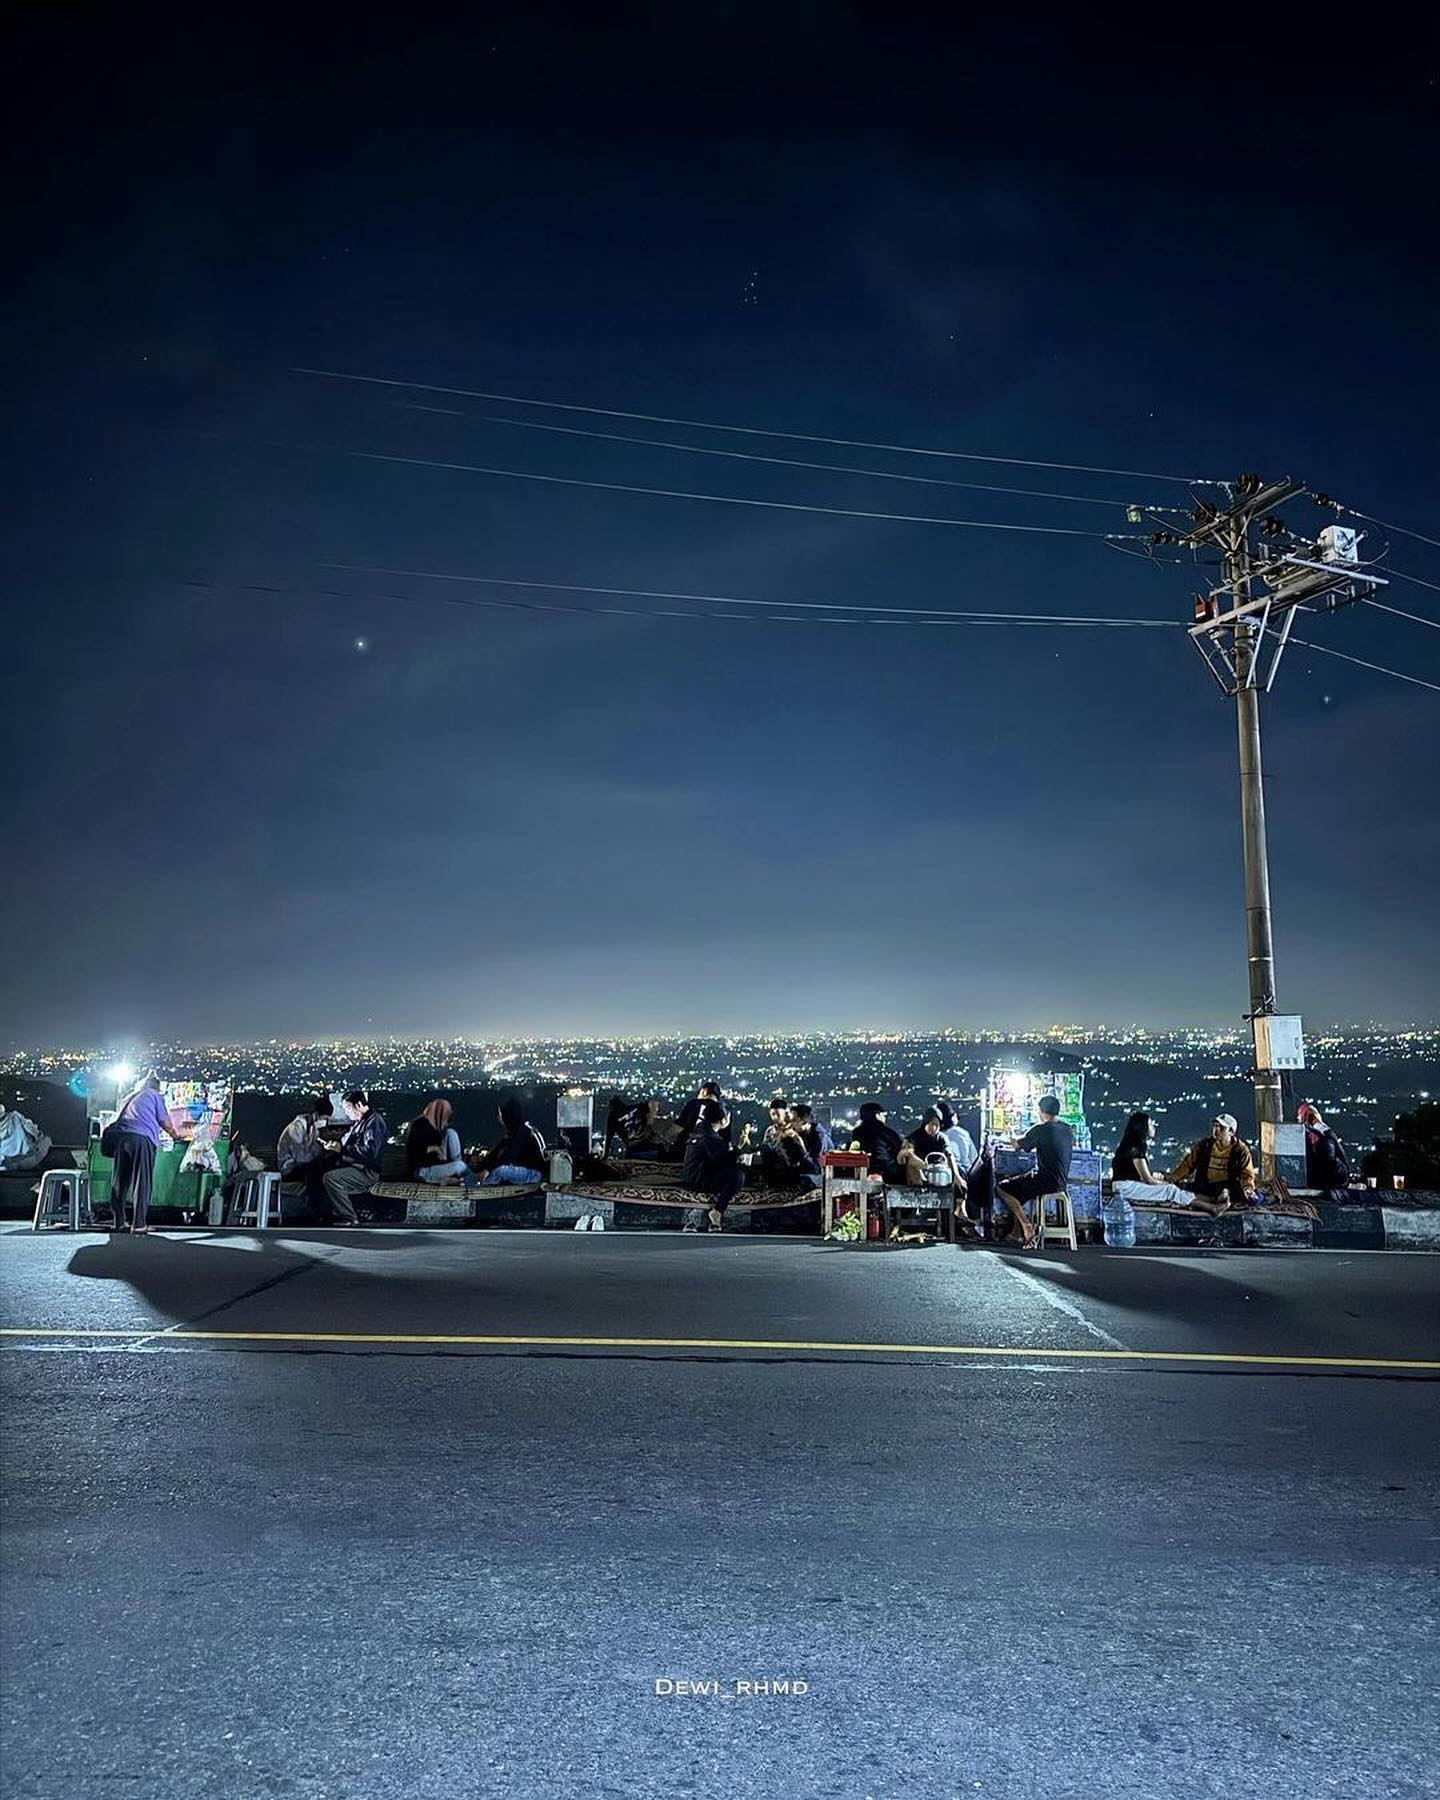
x: 518, y: 1160
x: 432, y: 1148
x: 1326, y: 1164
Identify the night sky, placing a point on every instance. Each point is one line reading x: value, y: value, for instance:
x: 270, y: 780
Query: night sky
x: 225, y: 818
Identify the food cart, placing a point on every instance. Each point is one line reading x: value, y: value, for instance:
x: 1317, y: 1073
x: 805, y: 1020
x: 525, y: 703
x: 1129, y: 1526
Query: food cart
x: 185, y: 1173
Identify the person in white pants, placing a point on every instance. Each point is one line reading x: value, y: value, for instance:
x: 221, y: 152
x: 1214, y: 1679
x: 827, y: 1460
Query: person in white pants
x: 1132, y: 1178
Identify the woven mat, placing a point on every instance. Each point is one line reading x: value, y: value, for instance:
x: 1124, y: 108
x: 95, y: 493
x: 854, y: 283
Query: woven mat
x: 435, y: 1190
x: 1282, y: 1209
x: 748, y: 1199
x: 646, y: 1174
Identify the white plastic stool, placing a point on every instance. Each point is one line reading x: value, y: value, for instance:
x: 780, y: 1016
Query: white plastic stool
x: 63, y: 1196
x: 256, y: 1197
x: 1064, y: 1226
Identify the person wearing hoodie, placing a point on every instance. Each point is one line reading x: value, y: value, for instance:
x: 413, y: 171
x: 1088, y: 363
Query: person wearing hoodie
x: 928, y: 1139
x: 711, y: 1164
x: 1326, y: 1165
x: 518, y: 1160
x: 882, y: 1143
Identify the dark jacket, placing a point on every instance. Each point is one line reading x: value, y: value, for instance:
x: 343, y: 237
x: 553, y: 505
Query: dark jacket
x: 708, y: 1160
x: 924, y: 1145
x: 879, y: 1141
x: 1326, y: 1164
x: 789, y: 1159
x: 817, y: 1141
x: 364, y: 1143
x: 522, y: 1147
x: 422, y: 1139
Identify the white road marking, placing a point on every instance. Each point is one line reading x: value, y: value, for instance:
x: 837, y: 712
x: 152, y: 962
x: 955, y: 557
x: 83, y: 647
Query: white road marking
x: 1058, y: 1301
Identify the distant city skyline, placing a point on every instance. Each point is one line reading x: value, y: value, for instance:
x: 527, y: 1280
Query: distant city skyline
x: 1363, y: 1075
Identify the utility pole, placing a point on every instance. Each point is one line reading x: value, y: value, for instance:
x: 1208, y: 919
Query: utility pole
x: 1241, y: 628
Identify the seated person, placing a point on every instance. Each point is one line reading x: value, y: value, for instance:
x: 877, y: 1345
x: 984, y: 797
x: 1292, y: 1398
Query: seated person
x: 361, y: 1152
x: 648, y: 1136
x: 518, y: 1160
x: 931, y: 1139
x: 926, y: 1140
x: 711, y: 1164
x: 957, y: 1137
x: 785, y: 1160
x: 1132, y: 1179
x: 1326, y: 1164
x: 881, y: 1143
x: 1219, y: 1167
x: 1053, y: 1143
x: 303, y: 1157
x: 689, y: 1115
x: 777, y: 1122
x: 432, y: 1148
x: 813, y: 1134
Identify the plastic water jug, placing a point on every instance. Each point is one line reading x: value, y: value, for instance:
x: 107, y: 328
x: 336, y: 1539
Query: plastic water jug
x: 1119, y: 1223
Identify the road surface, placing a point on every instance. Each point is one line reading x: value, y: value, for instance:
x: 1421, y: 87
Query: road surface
x: 433, y: 1514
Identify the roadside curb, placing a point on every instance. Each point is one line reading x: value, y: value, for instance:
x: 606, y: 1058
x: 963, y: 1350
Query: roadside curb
x: 1339, y: 1227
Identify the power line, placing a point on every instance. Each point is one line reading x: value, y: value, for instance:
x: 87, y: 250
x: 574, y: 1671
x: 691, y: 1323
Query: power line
x: 1403, y: 530
x: 1415, y: 618
x: 1360, y: 662
x: 801, y: 437
x: 931, y: 613
x: 619, y: 487
x: 780, y: 613
x: 793, y: 462
x: 1414, y: 580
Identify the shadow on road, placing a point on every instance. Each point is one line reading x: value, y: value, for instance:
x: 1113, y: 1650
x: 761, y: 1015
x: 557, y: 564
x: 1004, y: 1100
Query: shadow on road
x: 165, y: 1274
x: 1199, y: 1287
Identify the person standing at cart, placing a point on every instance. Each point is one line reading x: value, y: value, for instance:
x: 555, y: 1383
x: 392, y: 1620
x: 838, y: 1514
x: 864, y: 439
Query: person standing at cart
x: 138, y: 1126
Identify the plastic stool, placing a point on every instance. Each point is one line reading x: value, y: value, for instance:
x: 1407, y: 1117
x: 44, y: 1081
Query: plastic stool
x: 63, y: 1197
x: 257, y: 1197
x: 1064, y: 1226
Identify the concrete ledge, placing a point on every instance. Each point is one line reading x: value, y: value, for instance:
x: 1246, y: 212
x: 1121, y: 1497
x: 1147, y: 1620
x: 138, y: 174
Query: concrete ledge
x: 1410, y: 1228
x: 440, y: 1209
x: 562, y: 1208
x: 1237, y: 1230
x: 1350, y: 1227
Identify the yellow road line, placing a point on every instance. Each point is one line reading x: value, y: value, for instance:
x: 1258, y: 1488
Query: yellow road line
x: 534, y: 1341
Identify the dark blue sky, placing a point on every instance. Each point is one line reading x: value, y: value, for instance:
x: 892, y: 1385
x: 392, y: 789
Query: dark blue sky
x: 1068, y: 245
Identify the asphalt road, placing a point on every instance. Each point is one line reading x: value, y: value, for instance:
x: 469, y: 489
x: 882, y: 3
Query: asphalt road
x: 375, y: 1514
